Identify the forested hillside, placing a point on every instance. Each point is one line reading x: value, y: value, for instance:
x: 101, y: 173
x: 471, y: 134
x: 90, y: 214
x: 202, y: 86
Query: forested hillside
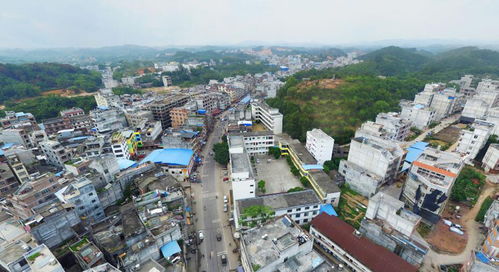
x: 29, y: 80
x: 313, y: 99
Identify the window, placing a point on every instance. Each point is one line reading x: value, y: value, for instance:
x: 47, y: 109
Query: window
x: 307, y: 208
x: 289, y: 210
x: 251, y: 192
x: 93, y: 201
x: 305, y: 220
x: 298, y: 209
x: 90, y: 194
x: 297, y: 215
x: 316, y: 206
x: 305, y: 214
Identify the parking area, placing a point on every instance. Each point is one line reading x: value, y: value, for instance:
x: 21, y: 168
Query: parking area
x: 276, y: 174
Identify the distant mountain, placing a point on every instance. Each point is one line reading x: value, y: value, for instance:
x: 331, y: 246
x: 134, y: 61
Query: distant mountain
x: 392, y: 60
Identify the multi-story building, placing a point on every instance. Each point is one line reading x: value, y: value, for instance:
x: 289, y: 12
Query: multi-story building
x: 372, y: 162
x: 257, y: 142
x: 351, y: 249
x: 475, y: 108
x: 161, y: 109
x: 54, y: 125
x: 87, y: 254
x: 8, y: 181
x: 487, y: 85
x: 473, y: 140
x: 55, y: 153
x: 490, y: 161
x: 300, y: 206
x: 72, y: 112
x: 33, y: 193
x: 269, y: 117
x: 241, y: 172
x: 12, y: 119
x: 444, y: 101
x: 176, y: 161
x: 429, y: 182
x: 320, y: 145
x: 179, y: 116
x: 41, y: 259
x: 81, y: 193
x: 426, y: 96
x: 136, y: 118
x: 167, y: 81
x: 395, y: 127
x: 108, y: 119
x: 17, y: 167
x: 83, y: 123
x: 490, y: 246
x: 493, y: 117
x: 491, y: 215
x: 17, y: 136
x: 279, y: 245
x: 106, y: 99
x: 120, y: 144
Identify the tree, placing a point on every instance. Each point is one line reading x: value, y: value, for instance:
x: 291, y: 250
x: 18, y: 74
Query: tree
x: 261, y: 186
x: 295, y: 189
x: 221, y: 151
x: 275, y: 151
x: 305, y: 182
x: 333, y: 164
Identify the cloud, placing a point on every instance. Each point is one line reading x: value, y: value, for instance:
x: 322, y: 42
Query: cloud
x: 91, y: 23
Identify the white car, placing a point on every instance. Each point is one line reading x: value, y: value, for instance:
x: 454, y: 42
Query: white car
x: 225, y: 199
x: 226, y: 208
x: 200, y: 235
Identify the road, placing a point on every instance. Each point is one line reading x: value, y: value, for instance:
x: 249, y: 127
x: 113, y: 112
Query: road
x: 443, y: 124
x: 211, y: 219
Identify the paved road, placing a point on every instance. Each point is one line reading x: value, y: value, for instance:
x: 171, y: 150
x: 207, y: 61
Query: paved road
x: 211, y: 219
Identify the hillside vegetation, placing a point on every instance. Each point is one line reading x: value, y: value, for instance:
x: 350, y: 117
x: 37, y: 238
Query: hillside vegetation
x: 312, y: 99
x: 29, y: 80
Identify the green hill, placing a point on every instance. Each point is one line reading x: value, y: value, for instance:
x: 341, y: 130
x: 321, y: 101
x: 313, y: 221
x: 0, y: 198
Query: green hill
x: 29, y: 80
x: 390, y: 61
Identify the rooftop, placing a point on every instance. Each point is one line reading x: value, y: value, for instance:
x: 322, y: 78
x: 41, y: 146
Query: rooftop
x: 373, y: 256
x: 325, y: 182
x: 171, y: 156
x: 41, y: 259
x: 281, y: 200
x: 280, y: 234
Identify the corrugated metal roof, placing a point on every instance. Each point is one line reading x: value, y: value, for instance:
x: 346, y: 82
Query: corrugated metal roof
x: 172, y: 156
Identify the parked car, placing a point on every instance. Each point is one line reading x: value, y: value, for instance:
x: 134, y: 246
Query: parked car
x: 200, y: 235
x: 219, y: 237
x: 225, y: 199
x: 226, y: 207
x: 223, y: 258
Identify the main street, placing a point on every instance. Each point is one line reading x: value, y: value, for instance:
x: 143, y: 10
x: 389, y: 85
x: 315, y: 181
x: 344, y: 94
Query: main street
x: 210, y: 217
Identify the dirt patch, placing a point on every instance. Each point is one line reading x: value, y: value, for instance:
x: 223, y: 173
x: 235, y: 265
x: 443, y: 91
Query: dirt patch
x: 449, y: 134
x: 352, y: 207
x: 321, y: 83
x: 66, y: 93
x: 445, y: 241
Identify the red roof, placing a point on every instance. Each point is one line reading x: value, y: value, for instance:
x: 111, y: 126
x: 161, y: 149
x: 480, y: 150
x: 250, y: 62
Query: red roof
x: 373, y: 256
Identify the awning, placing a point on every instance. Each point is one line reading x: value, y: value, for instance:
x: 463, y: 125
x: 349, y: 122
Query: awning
x: 329, y: 209
x: 170, y: 248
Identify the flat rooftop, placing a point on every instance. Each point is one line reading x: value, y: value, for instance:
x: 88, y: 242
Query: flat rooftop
x: 302, y: 152
x: 240, y: 162
x: 325, y: 182
x: 281, y: 234
x: 281, y: 200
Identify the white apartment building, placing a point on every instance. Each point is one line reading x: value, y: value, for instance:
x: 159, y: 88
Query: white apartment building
x: 395, y: 127
x: 493, y: 117
x: 257, y: 142
x: 82, y: 194
x: 270, y: 117
x: 108, y: 120
x: 372, y: 162
x: 426, y: 96
x: 320, y: 145
x: 119, y: 144
x: 419, y: 115
x: 446, y: 102
x: 474, y: 139
x: 490, y: 161
x: 429, y: 182
x: 475, y: 108
x: 487, y: 85
x: 55, y: 153
x: 240, y: 170
x: 300, y: 206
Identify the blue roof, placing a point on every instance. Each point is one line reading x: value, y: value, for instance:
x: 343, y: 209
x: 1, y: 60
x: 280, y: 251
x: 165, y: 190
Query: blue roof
x: 1, y: 152
x: 480, y: 256
x: 312, y: 166
x: 19, y: 114
x: 170, y: 248
x: 58, y: 174
x: 246, y: 99
x: 201, y: 111
x: 125, y: 163
x: 103, y: 108
x: 415, y: 150
x: 329, y: 209
x: 172, y: 156
x: 79, y: 138
x: 7, y: 145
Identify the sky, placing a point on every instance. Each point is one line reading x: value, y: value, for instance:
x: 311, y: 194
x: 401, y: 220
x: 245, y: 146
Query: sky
x: 96, y: 23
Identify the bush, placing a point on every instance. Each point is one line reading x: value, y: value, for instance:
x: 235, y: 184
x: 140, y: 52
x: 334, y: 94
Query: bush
x: 261, y: 186
x: 305, y: 182
x: 483, y: 209
x: 295, y: 189
x: 467, y: 186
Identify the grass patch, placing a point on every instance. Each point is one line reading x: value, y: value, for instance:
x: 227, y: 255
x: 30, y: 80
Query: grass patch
x: 423, y: 229
x: 468, y: 186
x: 483, y: 209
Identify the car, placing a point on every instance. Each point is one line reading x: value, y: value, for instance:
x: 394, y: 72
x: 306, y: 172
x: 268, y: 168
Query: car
x: 226, y: 207
x: 201, y: 235
x: 225, y: 199
x: 219, y: 237
x: 223, y: 259
x: 226, y: 179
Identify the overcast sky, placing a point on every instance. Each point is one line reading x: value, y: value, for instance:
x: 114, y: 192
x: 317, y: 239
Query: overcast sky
x: 94, y: 23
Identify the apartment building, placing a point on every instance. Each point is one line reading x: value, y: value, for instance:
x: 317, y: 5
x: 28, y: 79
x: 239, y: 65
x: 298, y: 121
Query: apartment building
x: 300, y: 206
x: 429, y: 182
x: 475, y: 108
x: 490, y: 161
x: 120, y: 144
x: 17, y: 167
x: 8, y: 181
x: 240, y: 170
x: 487, y: 85
x: 17, y: 136
x: 56, y: 124
x: 490, y: 246
x: 161, y: 109
x: 12, y: 119
x: 87, y: 254
x: 419, y: 115
x: 257, y: 142
x: 72, y: 112
x: 472, y: 140
x: 279, y: 245
x: 107, y: 120
x: 395, y: 127
x: 81, y: 193
x: 372, y: 162
x: 55, y: 153
x: 41, y: 259
x: 179, y: 116
x: 447, y: 102
x: 320, y: 145
x: 136, y: 118
x: 426, y: 96
x: 269, y: 117
x: 355, y: 252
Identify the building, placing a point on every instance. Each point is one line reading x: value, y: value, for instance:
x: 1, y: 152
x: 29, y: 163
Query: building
x: 87, y: 254
x: 300, y: 206
x: 446, y: 103
x: 122, y: 144
x: 12, y: 119
x: 12, y: 254
x: 320, y: 145
x: 136, y: 118
x: 41, y: 259
x: 474, y: 139
x: 490, y: 246
x: 179, y: 116
x: 54, y: 125
x: 491, y: 215
x: 161, y: 109
x: 429, y: 182
x: 388, y: 224
x: 72, y: 112
x: 257, y: 142
x: 17, y: 136
x: 8, y: 181
x: 279, y: 245
x: 475, y: 108
x: 240, y: 170
x: 81, y: 193
x: 176, y: 161
x: 425, y: 97
x: 421, y: 116
x: 490, y: 161
x: 269, y: 117
x: 372, y: 162
x: 107, y: 119
x: 55, y: 153
x: 357, y: 253
x: 167, y: 81
x: 396, y: 128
